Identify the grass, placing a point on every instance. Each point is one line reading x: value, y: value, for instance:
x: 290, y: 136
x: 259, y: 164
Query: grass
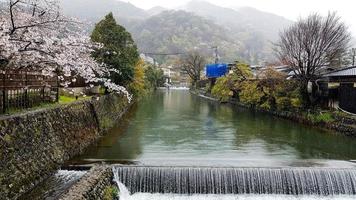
x: 69, y: 99
x: 325, y: 117
x: 62, y: 100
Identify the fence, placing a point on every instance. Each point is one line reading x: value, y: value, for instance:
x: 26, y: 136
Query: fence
x: 23, y: 89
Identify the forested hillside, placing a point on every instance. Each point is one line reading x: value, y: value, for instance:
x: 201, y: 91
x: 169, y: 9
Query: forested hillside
x: 245, y: 33
x: 179, y: 31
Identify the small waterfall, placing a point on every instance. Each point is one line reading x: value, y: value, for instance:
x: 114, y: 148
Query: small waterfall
x: 124, y: 192
x: 288, y: 181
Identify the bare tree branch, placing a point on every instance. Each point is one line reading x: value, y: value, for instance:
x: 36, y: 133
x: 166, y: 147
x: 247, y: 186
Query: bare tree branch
x: 193, y: 64
x: 311, y: 44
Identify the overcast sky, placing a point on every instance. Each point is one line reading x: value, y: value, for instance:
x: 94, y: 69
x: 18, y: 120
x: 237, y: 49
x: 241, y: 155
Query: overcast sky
x: 291, y: 9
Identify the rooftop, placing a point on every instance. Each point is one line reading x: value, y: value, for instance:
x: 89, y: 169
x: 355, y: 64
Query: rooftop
x: 348, y: 71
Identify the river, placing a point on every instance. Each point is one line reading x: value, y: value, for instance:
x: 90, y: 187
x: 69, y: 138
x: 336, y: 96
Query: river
x: 177, y: 128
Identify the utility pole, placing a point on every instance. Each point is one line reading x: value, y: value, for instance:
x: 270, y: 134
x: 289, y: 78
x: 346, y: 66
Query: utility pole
x: 216, y: 50
x: 353, y: 54
x: 155, y: 62
x: 213, y: 80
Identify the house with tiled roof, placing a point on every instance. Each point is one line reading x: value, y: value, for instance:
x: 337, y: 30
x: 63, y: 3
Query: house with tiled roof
x: 342, y: 88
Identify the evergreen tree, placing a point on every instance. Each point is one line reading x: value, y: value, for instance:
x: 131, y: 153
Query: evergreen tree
x: 119, y: 50
x: 154, y: 76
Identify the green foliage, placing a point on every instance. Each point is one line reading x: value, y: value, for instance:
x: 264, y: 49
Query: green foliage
x: 110, y: 193
x: 250, y: 93
x: 320, y: 117
x: 241, y: 72
x: 266, y: 106
x: 225, y: 87
x: 119, y: 50
x: 102, y: 91
x: 137, y: 86
x: 270, y: 91
x: 296, y: 103
x: 220, y: 90
x: 7, y: 138
x: 154, y: 77
x: 208, y: 87
x: 284, y: 103
x: 280, y: 93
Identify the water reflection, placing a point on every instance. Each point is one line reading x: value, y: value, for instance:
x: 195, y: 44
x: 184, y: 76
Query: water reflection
x: 177, y: 128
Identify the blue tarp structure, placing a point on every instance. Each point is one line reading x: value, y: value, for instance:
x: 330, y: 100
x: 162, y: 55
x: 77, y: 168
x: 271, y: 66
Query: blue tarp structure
x: 216, y: 70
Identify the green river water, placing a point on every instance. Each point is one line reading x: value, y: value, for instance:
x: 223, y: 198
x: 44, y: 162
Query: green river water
x: 177, y: 128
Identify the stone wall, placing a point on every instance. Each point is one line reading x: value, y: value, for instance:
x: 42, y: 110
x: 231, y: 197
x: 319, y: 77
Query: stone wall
x: 35, y: 144
x: 91, y: 186
x: 108, y: 109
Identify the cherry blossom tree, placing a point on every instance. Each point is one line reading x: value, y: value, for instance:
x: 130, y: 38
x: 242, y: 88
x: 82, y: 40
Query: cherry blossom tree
x: 34, y: 35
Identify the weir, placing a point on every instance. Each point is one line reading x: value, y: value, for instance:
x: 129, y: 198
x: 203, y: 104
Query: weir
x: 200, y: 180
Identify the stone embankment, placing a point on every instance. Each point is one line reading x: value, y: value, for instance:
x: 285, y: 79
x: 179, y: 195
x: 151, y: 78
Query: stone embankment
x: 92, y: 186
x: 34, y: 145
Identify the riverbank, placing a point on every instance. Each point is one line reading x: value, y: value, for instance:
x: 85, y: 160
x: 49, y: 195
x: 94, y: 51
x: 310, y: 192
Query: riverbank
x: 345, y: 125
x: 35, y: 144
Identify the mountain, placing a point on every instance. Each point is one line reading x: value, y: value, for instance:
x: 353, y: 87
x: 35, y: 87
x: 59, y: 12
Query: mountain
x: 253, y: 29
x: 94, y: 10
x: 243, y: 19
x: 244, y: 33
x: 156, y: 10
x: 180, y: 31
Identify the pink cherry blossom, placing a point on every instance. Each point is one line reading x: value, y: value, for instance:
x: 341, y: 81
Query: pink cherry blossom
x: 35, y: 35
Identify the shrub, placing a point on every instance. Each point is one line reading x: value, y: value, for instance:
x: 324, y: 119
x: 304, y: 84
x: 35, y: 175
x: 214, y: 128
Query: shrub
x: 250, y: 93
x: 220, y: 89
x: 110, y: 193
x: 284, y: 103
x: 296, y: 103
x: 266, y: 106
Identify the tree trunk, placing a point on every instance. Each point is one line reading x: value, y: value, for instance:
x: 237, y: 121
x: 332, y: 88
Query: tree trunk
x: 194, y: 84
x: 305, y: 94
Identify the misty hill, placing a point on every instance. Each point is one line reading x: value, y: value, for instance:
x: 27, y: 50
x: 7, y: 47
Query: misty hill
x: 94, y: 10
x: 180, y: 31
x: 244, y: 32
x: 243, y: 19
x: 156, y: 10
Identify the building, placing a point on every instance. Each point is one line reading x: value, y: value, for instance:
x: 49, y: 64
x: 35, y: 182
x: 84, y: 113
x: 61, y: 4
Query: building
x: 168, y: 73
x: 147, y: 59
x: 257, y: 70
x: 341, y: 86
x: 174, y: 76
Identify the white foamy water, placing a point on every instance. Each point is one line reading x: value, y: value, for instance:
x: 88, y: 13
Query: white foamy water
x: 174, y: 88
x: 125, y: 195
x: 144, y: 196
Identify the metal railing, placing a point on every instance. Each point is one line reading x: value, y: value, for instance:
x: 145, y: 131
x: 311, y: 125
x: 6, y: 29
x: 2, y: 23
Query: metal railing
x: 23, y: 89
